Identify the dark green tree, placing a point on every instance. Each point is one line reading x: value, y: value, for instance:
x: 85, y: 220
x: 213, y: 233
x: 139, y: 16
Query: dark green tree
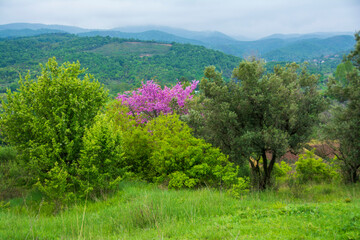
x: 258, y: 117
x: 344, y: 127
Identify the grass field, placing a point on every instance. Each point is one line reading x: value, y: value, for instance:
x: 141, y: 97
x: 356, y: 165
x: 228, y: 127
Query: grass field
x: 138, y: 48
x: 144, y: 211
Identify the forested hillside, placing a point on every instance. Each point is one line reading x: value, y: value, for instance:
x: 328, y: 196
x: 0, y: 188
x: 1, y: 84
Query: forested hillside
x: 121, y: 64
x: 277, y: 47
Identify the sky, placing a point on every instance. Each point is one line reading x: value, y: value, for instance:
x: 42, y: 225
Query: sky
x: 250, y: 18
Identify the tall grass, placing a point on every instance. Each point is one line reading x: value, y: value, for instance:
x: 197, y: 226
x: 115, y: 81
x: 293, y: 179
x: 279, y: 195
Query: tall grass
x: 144, y: 211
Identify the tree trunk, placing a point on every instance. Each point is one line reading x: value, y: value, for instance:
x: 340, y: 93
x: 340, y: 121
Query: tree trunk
x: 354, y: 176
x: 262, y: 177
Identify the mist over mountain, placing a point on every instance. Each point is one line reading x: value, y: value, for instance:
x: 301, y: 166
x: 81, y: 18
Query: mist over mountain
x: 320, y: 35
x: 38, y: 26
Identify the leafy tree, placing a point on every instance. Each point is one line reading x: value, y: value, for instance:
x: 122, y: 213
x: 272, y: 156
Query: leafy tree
x: 344, y: 127
x: 46, y: 120
x: 342, y: 70
x: 258, y: 117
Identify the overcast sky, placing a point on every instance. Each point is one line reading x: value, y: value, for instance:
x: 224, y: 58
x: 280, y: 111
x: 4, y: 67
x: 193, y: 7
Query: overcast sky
x: 252, y: 18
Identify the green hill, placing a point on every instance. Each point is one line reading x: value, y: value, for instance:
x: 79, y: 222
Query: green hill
x: 277, y: 47
x: 121, y: 64
x: 142, y: 49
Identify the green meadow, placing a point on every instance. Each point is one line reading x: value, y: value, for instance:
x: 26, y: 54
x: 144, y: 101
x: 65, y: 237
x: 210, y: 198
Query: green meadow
x: 145, y: 211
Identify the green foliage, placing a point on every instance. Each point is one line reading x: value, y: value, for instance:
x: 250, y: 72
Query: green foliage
x: 12, y: 173
x: 310, y: 168
x: 342, y: 70
x: 142, y: 49
x: 343, y: 129
x: 281, y: 169
x: 180, y: 180
x: 46, y: 121
x: 135, y: 141
x: 182, y: 159
x: 7, y: 153
x: 165, y: 151
x: 354, y: 56
x: 58, y: 185
x: 258, y: 115
x: 101, y: 162
x: 241, y: 187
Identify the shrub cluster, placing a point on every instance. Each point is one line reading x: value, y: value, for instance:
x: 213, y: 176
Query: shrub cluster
x: 310, y: 168
x: 72, y: 148
x: 50, y: 121
x: 165, y: 151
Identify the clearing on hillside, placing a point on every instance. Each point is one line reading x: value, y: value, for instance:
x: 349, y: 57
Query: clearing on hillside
x: 135, y: 48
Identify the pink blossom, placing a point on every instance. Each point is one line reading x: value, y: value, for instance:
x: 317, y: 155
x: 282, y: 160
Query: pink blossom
x: 150, y: 100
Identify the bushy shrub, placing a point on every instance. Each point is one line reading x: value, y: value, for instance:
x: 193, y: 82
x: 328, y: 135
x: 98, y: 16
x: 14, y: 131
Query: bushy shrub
x: 101, y: 162
x: 183, y: 160
x: 135, y: 142
x: 58, y: 185
x: 46, y: 121
x: 164, y: 151
x: 281, y: 171
x: 241, y: 186
x: 311, y: 168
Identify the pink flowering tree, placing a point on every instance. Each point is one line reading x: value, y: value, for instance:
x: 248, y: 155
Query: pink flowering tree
x: 151, y: 100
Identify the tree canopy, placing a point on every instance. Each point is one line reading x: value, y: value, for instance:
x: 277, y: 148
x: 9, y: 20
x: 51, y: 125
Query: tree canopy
x: 344, y: 126
x: 258, y: 117
x: 47, y: 118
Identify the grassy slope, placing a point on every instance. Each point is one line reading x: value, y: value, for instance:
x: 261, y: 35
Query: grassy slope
x: 143, y: 211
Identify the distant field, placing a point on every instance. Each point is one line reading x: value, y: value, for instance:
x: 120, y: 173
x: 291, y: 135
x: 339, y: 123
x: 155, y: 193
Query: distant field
x: 141, y: 49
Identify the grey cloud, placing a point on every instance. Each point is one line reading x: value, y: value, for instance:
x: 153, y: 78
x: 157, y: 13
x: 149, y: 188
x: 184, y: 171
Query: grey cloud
x: 254, y: 18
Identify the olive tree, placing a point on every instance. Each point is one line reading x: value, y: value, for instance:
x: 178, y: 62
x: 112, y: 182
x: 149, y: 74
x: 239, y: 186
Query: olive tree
x: 257, y: 117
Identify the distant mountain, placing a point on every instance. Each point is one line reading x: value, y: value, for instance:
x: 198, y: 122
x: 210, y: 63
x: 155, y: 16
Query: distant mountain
x: 151, y: 35
x: 307, y: 49
x: 320, y: 35
x: 10, y: 33
x: 197, y: 35
x: 37, y: 26
x: 277, y: 47
x: 242, y: 38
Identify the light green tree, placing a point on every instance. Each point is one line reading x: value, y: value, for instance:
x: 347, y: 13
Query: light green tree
x: 46, y: 121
